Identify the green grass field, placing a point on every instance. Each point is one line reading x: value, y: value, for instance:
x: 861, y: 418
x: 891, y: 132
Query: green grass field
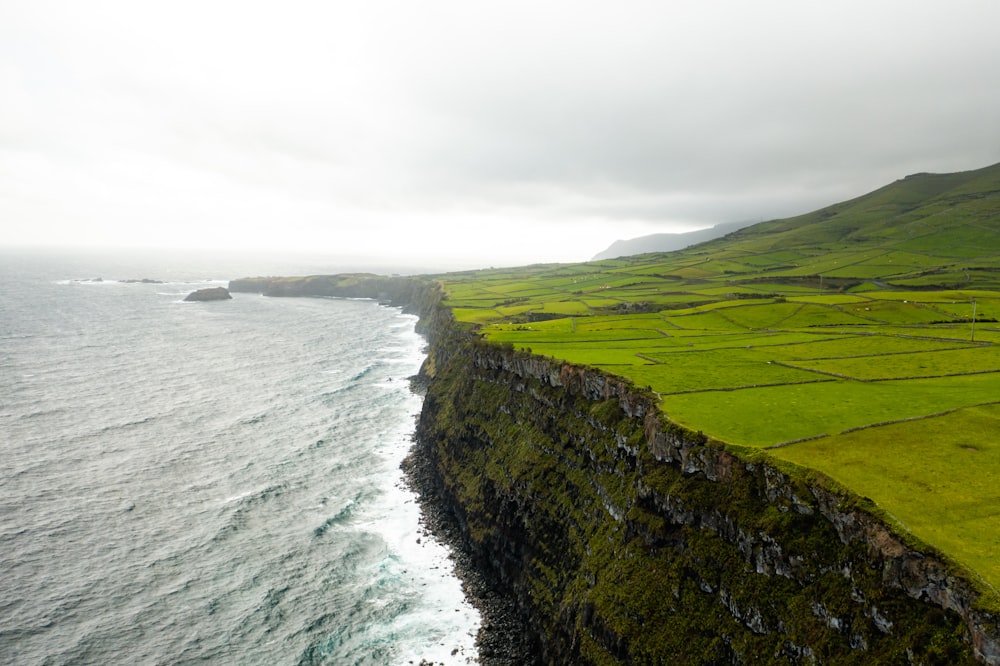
x: 843, y: 337
x: 933, y: 476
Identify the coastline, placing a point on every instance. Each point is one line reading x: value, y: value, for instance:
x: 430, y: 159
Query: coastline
x: 666, y: 493
x: 503, y: 638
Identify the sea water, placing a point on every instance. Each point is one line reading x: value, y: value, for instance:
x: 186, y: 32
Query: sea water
x: 210, y: 482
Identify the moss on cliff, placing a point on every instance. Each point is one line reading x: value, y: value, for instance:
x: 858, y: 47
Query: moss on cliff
x: 622, y: 554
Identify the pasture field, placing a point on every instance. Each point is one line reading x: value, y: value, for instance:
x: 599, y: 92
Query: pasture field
x: 829, y: 299
x: 842, y: 341
x: 929, y: 475
x: 772, y: 415
x: 863, y: 345
x: 761, y: 372
x: 873, y: 367
x: 714, y: 370
x: 475, y: 315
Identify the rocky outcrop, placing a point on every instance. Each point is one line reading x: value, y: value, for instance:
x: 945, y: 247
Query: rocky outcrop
x: 209, y: 294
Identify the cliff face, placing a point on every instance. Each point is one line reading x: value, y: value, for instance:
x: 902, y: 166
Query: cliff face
x: 624, y: 539
x: 628, y: 540
x: 415, y: 295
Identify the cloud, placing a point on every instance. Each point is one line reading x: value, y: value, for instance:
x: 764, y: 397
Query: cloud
x: 354, y: 124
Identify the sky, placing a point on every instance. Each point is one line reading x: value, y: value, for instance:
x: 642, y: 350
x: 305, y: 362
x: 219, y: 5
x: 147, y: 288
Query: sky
x: 473, y: 133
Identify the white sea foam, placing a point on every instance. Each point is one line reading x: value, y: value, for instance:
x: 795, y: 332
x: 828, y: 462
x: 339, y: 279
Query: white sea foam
x: 426, y: 565
x: 419, y: 557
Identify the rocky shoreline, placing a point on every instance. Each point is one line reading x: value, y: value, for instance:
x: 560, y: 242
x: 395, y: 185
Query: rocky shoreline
x: 504, y: 638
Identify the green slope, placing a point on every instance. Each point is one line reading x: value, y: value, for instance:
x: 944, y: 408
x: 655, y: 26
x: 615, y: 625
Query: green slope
x: 915, y: 207
x: 839, y: 337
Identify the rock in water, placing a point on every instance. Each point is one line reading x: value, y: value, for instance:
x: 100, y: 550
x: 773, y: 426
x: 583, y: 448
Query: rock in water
x: 210, y: 294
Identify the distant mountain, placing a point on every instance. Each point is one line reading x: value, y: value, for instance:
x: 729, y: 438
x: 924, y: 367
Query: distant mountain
x: 666, y: 242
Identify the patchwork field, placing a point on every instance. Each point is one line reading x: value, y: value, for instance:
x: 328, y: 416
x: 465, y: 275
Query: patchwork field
x: 853, y: 341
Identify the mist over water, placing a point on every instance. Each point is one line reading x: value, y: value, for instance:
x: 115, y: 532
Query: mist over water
x: 210, y: 481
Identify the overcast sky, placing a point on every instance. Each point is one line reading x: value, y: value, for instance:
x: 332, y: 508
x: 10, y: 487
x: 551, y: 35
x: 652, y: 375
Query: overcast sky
x: 478, y: 131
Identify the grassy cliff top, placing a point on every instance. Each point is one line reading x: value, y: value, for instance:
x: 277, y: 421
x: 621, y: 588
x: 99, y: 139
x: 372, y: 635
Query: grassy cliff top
x: 860, y: 340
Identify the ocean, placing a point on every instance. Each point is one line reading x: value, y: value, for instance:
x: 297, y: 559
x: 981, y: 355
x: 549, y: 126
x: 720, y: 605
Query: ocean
x: 210, y: 482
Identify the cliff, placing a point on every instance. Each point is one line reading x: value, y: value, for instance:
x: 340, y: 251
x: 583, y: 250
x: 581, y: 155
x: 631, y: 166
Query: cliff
x: 396, y: 290
x: 622, y: 538
x: 415, y: 295
x: 628, y: 540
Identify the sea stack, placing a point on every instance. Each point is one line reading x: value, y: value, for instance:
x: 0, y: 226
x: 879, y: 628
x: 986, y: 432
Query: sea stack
x: 210, y: 294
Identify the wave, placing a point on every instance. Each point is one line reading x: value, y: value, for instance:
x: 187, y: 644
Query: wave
x: 395, y: 349
x: 343, y: 516
x: 245, y: 504
x: 127, y: 425
x: 17, y: 336
x: 41, y: 413
x: 237, y: 498
x: 93, y: 280
x: 365, y: 372
x: 256, y: 419
x: 254, y: 498
x: 273, y: 598
x: 141, y: 281
x: 333, y: 395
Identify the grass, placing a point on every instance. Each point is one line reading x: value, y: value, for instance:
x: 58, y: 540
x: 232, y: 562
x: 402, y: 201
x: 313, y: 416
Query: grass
x: 854, y: 318
x: 771, y: 415
x: 907, y: 365
x: 930, y: 475
x: 848, y: 345
x: 713, y: 370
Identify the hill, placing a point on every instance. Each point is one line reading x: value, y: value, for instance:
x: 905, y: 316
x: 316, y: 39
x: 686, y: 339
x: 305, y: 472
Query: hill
x: 926, y: 230
x: 858, y: 340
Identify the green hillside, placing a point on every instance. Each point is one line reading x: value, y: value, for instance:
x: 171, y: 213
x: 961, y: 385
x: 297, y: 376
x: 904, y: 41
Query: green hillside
x: 842, y: 340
